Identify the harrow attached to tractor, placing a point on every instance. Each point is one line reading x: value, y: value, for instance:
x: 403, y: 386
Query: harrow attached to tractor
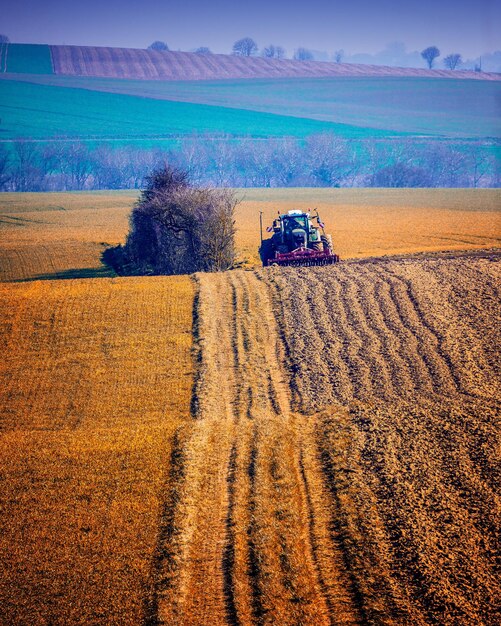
x: 296, y: 241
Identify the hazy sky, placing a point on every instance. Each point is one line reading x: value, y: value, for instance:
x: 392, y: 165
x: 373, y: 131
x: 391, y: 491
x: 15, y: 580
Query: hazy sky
x: 470, y: 27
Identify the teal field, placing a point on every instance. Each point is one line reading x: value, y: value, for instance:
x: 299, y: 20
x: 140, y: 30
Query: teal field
x: 348, y: 106
x: 39, y: 111
x: 26, y: 59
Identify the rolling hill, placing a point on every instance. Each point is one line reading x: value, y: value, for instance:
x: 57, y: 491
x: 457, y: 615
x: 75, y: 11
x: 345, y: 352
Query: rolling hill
x: 125, y: 94
x: 156, y: 100
x: 169, y: 65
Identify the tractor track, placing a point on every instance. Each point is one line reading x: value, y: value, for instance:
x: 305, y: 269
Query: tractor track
x: 250, y: 540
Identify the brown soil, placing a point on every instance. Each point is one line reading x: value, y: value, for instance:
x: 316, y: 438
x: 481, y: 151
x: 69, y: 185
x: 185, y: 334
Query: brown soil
x: 251, y: 539
x: 153, y: 64
x: 341, y: 467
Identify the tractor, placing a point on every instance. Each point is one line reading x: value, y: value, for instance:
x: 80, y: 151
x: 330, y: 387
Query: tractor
x: 297, y: 241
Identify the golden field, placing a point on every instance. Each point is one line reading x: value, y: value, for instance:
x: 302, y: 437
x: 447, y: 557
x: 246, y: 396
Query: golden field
x: 269, y: 447
x: 63, y: 235
x: 96, y: 385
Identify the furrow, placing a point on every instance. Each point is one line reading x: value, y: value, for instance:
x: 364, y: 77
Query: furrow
x: 473, y: 306
x: 250, y: 541
x: 333, y: 579
x: 334, y: 344
x: 410, y: 371
x: 395, y: 344
x: 429, y: 341
x: 364, y: 366
x: 389, y: 366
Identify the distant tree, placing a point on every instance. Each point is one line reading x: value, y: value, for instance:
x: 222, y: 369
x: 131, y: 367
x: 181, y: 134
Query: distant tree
x: 273, y: 52
x: 28, y: 167
x: 451, y: 61
x: 73, y: 161
x: 430, y: 54
x: 158, y: 45
x: 203, y: 50
x: 245, y: 47
x: 5, y: 167
x: 338, y: 56
x: 479, y: 164
x: 330, y: 160
x: 4, y: 39
x: 303, y: 54
x: 402, y: 175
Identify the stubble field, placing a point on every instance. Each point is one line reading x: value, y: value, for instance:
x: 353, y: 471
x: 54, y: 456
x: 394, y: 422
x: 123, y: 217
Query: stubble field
x: 275, y: 446
x: 96, y: 386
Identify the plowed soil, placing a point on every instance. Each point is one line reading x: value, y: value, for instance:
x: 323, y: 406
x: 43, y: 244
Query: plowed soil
x: 342, y: 464
x: 251, y: 539
x: 169, y: 65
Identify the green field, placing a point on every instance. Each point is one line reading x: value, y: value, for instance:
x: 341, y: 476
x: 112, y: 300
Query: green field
x: 26, y: 58
x: 35, y: 111
x: 429, y: 106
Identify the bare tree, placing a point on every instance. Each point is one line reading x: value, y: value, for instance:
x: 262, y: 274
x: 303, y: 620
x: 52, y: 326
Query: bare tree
x: 273, y: 52
x: 338, y: 56
x: 4, y: 39
x: 254, y: 163
x: 451, y: 61
x: 479, y: 164
x: 430, y: 54
x: 303, y: 54
x: 110, y: 167
x: 330, y: 162
x: 76, y: 164
x: 27, y: 173
x: 287, y: 162
x: 5, y: 167
x: 158, y: 45
x: 203, y: 50
x: 245, y: 47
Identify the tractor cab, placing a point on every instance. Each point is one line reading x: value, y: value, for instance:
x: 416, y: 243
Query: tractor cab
x: 296, y: 240
x: 296, y: 228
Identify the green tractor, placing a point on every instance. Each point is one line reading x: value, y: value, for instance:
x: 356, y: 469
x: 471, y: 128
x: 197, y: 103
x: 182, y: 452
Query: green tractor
x: 297, y: 241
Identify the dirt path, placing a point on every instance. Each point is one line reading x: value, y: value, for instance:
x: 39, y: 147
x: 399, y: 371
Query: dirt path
x: 252, y: 540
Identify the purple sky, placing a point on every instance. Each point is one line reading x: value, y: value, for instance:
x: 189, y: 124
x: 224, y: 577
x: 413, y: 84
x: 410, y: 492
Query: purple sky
x: 470, y: 27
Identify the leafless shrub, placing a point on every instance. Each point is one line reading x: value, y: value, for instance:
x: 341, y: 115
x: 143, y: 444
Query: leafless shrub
x: 179, y: 229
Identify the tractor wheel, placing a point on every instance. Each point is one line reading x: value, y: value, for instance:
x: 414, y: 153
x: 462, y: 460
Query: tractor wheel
x: 327, y: 241
x: 266, y: 251
x: 318, y: 246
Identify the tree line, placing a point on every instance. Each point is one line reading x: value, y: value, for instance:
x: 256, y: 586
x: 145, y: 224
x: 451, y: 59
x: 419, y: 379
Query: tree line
x: 321, y: 160
x: 247, y: 47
